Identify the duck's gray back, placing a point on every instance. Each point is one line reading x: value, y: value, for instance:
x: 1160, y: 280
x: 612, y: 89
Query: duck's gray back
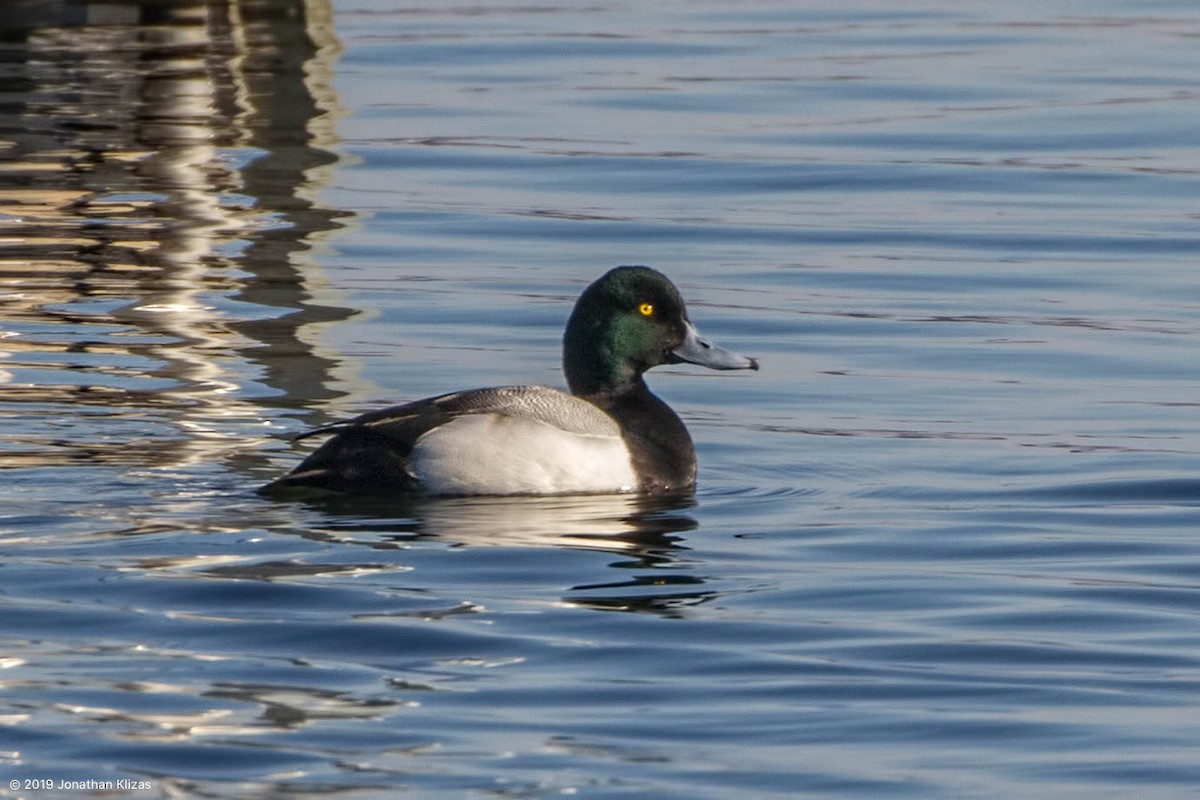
x: 541, y: 403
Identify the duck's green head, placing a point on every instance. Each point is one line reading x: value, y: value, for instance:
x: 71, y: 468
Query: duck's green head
x: 629, y: 320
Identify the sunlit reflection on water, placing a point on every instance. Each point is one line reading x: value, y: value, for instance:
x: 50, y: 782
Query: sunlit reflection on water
x: 156, y: 162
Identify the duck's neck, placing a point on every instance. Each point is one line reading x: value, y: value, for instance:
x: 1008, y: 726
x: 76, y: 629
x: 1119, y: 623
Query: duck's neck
x: 659, y: 444
x: 591, y: 361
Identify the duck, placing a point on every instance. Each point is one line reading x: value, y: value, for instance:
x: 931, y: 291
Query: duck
x: 607, y: 434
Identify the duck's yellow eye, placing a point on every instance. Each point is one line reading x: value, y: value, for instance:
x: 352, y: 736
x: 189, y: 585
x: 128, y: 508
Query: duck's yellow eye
x: 646, y: 309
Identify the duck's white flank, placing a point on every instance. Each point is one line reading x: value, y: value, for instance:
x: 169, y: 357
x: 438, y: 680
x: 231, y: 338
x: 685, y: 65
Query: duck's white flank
x: 500, y: 454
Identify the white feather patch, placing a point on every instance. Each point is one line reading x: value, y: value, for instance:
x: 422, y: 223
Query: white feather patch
x: 498, y: 454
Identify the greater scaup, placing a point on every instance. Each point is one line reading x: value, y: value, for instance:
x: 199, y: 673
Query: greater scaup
x: 609, y: 435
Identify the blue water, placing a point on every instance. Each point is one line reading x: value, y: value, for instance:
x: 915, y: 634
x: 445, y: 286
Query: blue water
x: 944, y: 543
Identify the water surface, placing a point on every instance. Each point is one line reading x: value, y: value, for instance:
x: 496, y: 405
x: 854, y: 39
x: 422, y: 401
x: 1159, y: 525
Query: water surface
x: 943, y: 543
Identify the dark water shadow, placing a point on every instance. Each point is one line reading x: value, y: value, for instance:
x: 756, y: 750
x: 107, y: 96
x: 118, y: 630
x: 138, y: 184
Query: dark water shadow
x: 1156, y: 492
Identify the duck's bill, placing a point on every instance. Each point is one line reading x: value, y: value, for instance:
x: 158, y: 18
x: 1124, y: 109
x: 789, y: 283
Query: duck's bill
x: 698, y: 350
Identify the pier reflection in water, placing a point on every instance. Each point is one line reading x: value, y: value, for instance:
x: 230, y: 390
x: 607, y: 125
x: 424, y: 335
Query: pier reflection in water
x: 161, y: 162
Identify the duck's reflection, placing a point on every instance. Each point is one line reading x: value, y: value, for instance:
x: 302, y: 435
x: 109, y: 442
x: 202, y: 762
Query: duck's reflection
x: 645, y: 531
x: 646, y: 527
x: 664, y: 595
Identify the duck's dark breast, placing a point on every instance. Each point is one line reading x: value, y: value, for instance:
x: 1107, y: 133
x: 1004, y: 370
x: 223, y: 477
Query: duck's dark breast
x: 660, y: 447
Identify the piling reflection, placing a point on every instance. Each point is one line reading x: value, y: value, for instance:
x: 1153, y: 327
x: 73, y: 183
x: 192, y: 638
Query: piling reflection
x: 161, y: 161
